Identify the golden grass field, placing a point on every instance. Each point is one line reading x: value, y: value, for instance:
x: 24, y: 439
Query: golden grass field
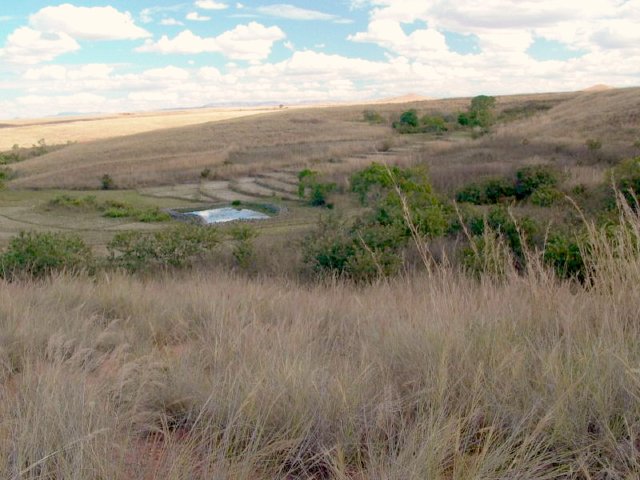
x: 209, y: 374
x: 216, y: 372
x: 60, y: 130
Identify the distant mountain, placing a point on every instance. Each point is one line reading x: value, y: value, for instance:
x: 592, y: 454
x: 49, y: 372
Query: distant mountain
x: 600, y: 87
x: 408, y: 98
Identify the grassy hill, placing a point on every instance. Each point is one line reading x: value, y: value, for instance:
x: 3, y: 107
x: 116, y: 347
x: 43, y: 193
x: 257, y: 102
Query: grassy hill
x: 483, y: 339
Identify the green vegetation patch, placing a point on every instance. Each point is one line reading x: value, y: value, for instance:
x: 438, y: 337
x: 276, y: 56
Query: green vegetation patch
x: 538, y: 182
x: 410, y: 122
x: 179, y: 246
x: 33, y: 254
x: 109, y: 208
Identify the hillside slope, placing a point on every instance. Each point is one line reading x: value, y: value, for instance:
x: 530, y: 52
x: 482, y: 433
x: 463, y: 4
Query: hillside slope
x: 318, y: 135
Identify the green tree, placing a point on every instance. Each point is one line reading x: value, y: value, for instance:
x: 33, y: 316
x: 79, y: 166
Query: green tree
x: 480, y: 114
x: 410, y: 118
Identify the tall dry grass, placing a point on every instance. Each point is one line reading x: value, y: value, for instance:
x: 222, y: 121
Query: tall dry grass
x: 214, y: 375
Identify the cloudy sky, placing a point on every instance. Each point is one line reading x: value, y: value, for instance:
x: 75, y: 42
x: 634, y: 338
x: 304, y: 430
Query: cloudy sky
x: 124, y: 55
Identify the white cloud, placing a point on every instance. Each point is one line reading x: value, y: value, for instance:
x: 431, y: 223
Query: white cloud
x: 412, y: 33
x: 59, y: 72
x: 28, y: 46
x: 211, y: 5
x: 147, y: 14
x: 87, y: 23
x: 170, y: 22
x: 167, y: 73
x: 249, y: 42
x: 76, y: 103
x: 196, y: 17
x: 291, y: 12
x: 252, y: 42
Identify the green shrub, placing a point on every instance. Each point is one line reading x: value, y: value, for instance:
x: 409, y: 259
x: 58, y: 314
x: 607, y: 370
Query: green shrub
x: 151, y: 215
x: 545, y: 196
x: 372, y: 246
x: 175, y: 247
x: 490, y: 191
x: 361, y: 252
x: 205, y: 173
x: 496, y: 189
x: 564, y: 254
x: 33, y: 254
x: 626, y: 176
x: 433, y: 124
x: 319, y: 193
x: 408, y: 123
x: 116, y: 209
x: 106, y: 182
x: 7, y: 158
x: 480, y: 113
x: 529, y: 179
x: 368, y: 183
x: 372, y: 117
x: 110, y: 208
x: 501, y: 222
x: 88, y: 202
x: 236, y: 203
x: 471, y: 193
x: 40, y: 148
x: 410, y: 118
x: 6, y: 174
x: 314, y: 191
x: 244, y: 250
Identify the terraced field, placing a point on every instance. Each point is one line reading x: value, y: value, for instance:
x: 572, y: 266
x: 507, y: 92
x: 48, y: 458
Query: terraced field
x: 28, y: 209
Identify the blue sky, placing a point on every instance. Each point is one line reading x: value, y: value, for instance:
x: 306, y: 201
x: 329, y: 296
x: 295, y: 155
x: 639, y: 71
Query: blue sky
x: 115, y: 55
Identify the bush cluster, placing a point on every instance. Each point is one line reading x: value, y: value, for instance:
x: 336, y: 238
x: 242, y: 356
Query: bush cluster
x: 174, y: 247
x: 311, y: 189
x: 538, y: 182
x: 373, y: 117
x: 626, y: 176
x: 35, y: 254
x: 480, y: 113
x: 110, y: 208
x: 410, y: 123
x: 401, y: 202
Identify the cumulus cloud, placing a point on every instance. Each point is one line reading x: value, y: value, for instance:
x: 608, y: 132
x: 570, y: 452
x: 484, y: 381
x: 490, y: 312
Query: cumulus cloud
x: 87, y: 23
x: 211, y: 5
x: 196, y: 17
x: 59, y: 72
x: 291, y: 12
x: 170, y: 22
x: 28, y: 46
x: 252, y: 42
x: 413, y: 33
x: 53, y: 31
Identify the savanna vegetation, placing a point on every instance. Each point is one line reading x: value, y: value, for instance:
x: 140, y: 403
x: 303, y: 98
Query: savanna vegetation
x: 447, y: 290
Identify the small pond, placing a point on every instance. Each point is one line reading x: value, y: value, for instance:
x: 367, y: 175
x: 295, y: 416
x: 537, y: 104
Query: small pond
x: 228, y: 214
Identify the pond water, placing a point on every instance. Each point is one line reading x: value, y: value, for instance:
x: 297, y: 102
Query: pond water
x: 228, y: 214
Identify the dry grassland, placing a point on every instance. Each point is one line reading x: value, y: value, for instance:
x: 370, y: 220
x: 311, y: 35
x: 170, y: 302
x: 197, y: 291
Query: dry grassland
x: 235, y: 147
x: 212, y: 374
x: 209, y: 375
x: 87, y: 128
